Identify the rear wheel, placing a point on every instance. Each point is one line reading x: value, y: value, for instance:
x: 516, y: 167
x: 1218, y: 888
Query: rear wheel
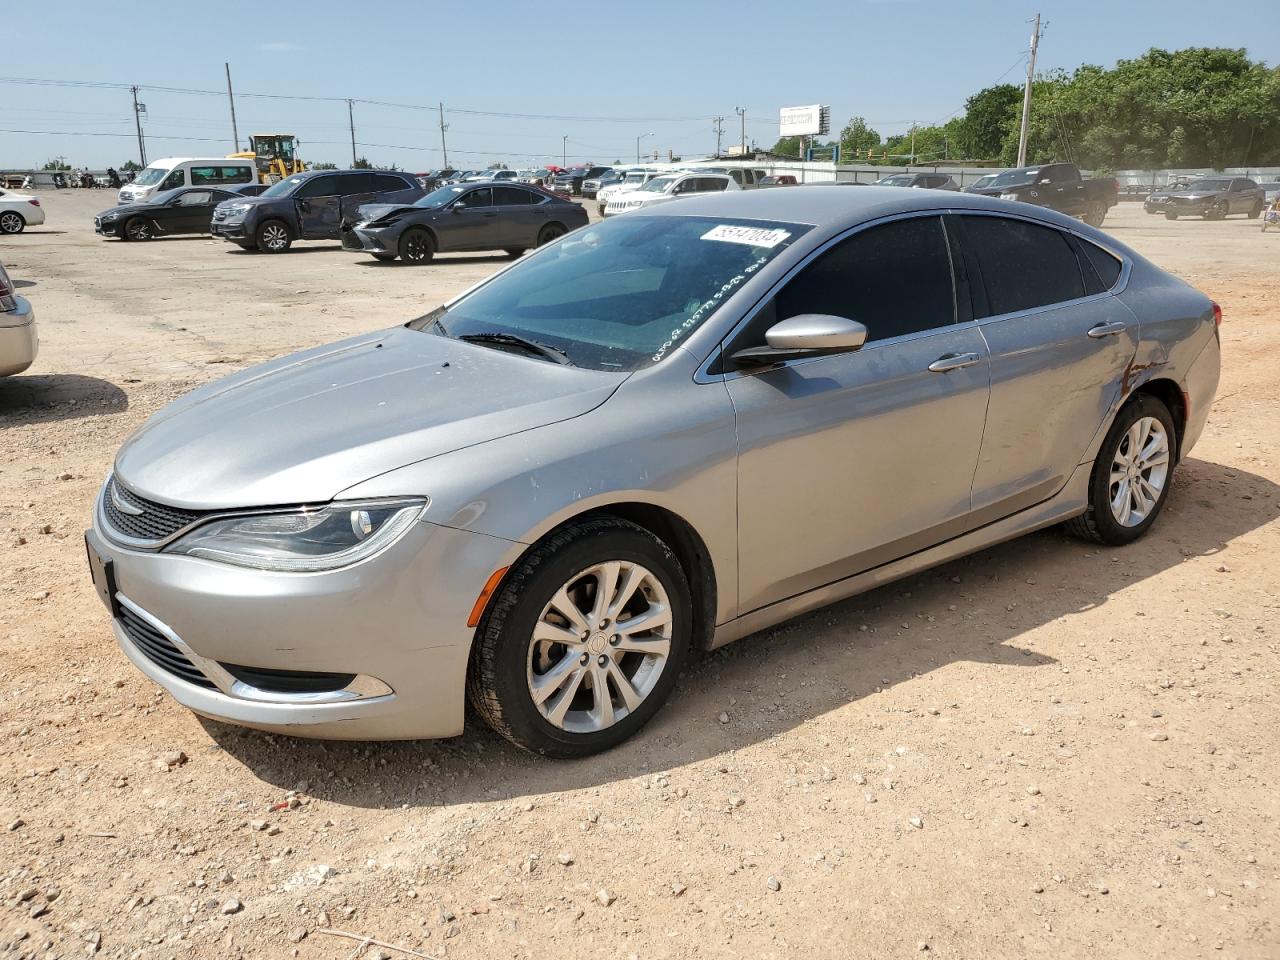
x: 1095, y: 213
x: 274, y: 237
x: 138, y: 228
x: 582, y: 643
x: 1131, y: 475
x: 12, y: 222
x: 514, y: 252
x: 417, y: 246
x: 552, y: 231
x: 1171, y: 214
x: 1256, y: 212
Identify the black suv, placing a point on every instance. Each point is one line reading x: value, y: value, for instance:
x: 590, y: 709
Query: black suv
x: 570, y: 181
x: 308, y: 206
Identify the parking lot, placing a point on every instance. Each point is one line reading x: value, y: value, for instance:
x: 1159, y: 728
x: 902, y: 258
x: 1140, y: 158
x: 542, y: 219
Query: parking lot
x: 1046, y: 749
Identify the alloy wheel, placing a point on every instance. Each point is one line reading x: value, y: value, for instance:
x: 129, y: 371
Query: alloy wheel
x: 417, y: 247
x: 599, y: 646
x: 11, y: 223
x: 138, y: 230
x: 275, y: 236
x: 1139, y: 472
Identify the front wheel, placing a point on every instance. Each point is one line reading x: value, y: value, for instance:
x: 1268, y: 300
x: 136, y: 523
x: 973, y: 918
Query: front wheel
x: 137, y: 229
x: 1217, y: 212
x: 417, y: 246
x: 1171, y: 215
x: 584, y: 640
x: 12, y: 222
x: 273, y: 237
x: 1131, y: 475
x: 514, y: 252
x: 1096, y: 213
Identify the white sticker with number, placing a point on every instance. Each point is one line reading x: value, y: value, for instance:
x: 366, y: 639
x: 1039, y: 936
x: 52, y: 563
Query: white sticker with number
x: 751, y: 236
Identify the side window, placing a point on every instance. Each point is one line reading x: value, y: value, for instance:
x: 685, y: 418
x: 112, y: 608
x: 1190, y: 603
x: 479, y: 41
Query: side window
x: 1024, y: 265
x: 1247, y: 184
x: 174, y: 179
x: 220, y: 195
x: 477, y: 198
x: 203, y: 175
x: 894, y: 279
x: 194, y: 198
x: 388, y: 183
x: 1104, y: 267
x: 737, y: 176
x: 237, y: 175
x: 352, y: 183
x: 318, y: 187
x: 511, y: 197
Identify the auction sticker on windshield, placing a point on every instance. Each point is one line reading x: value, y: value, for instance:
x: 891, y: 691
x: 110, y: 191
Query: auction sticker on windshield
x: 752, y: 236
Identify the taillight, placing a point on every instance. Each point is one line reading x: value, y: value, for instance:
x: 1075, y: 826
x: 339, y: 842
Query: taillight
x: 1217, y: 315
x: 7, y: 302
x: 34, y: 202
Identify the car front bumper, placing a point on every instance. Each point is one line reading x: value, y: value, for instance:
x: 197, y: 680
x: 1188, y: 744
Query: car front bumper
x: 395, y: 626
x: 371, y: 240
x: 107, y: 228
x: 229, y: 230
x: 19, y: 340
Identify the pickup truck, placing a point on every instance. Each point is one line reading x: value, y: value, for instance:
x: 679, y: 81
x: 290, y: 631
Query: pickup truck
x: 1057, y: 186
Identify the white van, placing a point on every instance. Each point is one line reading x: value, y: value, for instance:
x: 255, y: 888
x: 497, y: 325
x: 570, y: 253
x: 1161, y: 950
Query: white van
x: 173, y: 172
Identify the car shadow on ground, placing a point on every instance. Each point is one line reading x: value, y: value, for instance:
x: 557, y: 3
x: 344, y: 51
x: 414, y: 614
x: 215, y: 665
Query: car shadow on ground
x: 254, y: 251
x: 441, y: 259
x: 826, y: 658
x: 23, y: 284
x: 45, y: 398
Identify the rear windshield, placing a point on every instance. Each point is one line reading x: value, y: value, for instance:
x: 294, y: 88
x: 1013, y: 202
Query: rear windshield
x: 620, y: 294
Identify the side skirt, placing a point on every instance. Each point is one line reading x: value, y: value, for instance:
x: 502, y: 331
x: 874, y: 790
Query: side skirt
x: 1070, y: 501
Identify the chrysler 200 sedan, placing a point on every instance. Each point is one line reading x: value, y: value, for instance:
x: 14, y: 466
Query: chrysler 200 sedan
x: 655, y: 435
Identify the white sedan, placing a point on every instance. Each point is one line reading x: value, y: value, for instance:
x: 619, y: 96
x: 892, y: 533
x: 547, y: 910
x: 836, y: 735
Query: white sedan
x: 666, y: 188
x: 19, y: 211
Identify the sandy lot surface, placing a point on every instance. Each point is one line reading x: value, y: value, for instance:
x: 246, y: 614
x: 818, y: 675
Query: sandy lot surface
x: 1044, y: 750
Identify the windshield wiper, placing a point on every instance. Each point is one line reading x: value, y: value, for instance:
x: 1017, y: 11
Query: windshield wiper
x: 547, y: 352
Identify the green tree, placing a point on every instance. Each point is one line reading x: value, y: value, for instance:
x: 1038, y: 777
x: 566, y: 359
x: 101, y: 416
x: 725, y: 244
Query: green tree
x: 56, y: 163
x: 990, y: 116
x: 362, y: 163
x: 856, y: 139
x: 130, y: 166
x: 786, y: 147
x: 322, y: 166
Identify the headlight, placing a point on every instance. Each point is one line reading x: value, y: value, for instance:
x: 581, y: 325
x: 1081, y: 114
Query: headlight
x: 239, y: 208
x: 304, y: 541
x: 107, y: 216
x: 1008, y: 196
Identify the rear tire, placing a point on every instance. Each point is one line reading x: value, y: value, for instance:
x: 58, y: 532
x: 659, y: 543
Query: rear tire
x: 12, y: 222
x: 515, y: 252
x: 274, y: 237
x: 1256, y: 212
x: 512, y: 652
x: 1171, y: 215
x: 1110, y: 478
x: 552, y: 231
x: 1096, y: 213
x: 417, y: 246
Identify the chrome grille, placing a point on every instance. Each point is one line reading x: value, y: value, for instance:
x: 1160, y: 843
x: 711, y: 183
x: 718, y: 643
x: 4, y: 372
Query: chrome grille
x: 156, y: 522
x: 159, y: 649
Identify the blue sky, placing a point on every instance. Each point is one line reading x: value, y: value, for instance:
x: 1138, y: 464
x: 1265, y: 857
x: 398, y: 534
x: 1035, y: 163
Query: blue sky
x: 665, y: 70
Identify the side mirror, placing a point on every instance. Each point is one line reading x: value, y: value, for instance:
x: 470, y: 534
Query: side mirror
x: 806, y: 335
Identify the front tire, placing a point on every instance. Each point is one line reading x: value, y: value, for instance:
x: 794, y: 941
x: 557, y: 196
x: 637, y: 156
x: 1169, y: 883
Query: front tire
x: 417, y: 246
x: 584, y: 640
x: 12, y: 222
x: 138, y: 229
x: 273, y: 237
x: 515, y: 253
x: 1131, y: 476
x: 1171, y: 215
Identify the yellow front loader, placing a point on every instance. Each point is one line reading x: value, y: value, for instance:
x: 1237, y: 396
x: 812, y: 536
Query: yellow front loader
x: 274, y: 154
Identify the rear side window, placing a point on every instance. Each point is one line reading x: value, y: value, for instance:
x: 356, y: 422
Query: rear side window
x: 512, y: 197
x: 1104, y: 267
x: 386, y: 183
x: 1024, y: 265
x: 894, y: 279
x: 353, y: 183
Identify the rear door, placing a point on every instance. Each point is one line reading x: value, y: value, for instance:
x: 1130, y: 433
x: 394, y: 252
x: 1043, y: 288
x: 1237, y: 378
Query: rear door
x: 519, y: 219
x: 1059, y: 353
x: 318, y: 203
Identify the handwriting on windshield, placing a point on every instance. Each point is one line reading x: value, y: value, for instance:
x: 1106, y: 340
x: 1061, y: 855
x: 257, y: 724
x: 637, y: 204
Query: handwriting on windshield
x: 703, y: 311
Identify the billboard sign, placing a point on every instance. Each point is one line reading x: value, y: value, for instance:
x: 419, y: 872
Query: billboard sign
x: 813, y: 120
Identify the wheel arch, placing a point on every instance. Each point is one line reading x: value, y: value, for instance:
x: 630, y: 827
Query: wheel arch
x: 1171, y: 395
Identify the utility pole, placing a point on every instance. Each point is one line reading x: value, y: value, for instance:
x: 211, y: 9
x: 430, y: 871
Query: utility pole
x: 351, y: 122
x: 719, y: 133
x: 913, y: 142
x: 564, y: 147
x: 235, y: 134
x: 137, y: 120
x: 742, y: 113
x: 443, y: 127
x: 1026, y: 95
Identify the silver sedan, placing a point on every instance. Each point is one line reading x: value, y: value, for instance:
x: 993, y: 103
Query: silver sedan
x: 650, y: 437
x: 19, y: 341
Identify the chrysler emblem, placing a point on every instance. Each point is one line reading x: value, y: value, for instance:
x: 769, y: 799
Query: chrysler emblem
x: 121, y: 505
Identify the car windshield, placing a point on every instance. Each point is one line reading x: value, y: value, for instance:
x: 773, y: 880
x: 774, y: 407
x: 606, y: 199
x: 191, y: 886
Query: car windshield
x: 658, y: 184
x: 282, y: 188
x: 621, y: 294
x: 1209, y: 185
x: 901, y: 180
x: 149, y: 176
x: 440, y: 196
x: 983, y: 181
x: 1016, y: 178
x: 634, y: 178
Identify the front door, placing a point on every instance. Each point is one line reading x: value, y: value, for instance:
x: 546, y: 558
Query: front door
x: 192, y: 212
x: 850, y: 461
x: 1060, y: 350
x: 471, y: 222
x: 357, y: 190
x: 319, y: 207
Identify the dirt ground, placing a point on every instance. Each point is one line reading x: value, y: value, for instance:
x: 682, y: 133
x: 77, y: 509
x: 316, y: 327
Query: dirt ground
x: 1043, y: 750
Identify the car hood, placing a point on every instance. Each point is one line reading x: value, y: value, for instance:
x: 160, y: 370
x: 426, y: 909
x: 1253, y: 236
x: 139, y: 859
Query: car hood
x: 369, y: 212
x: 1196, y: 194
x: 122, y: 209
x: 304, y: 428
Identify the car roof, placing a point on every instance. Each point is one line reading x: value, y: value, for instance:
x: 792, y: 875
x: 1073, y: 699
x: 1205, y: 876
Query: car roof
x: 830, y: 205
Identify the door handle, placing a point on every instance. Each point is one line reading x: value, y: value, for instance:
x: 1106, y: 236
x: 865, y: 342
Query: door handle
x: 954, y: 361
x: 1107, y: 330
